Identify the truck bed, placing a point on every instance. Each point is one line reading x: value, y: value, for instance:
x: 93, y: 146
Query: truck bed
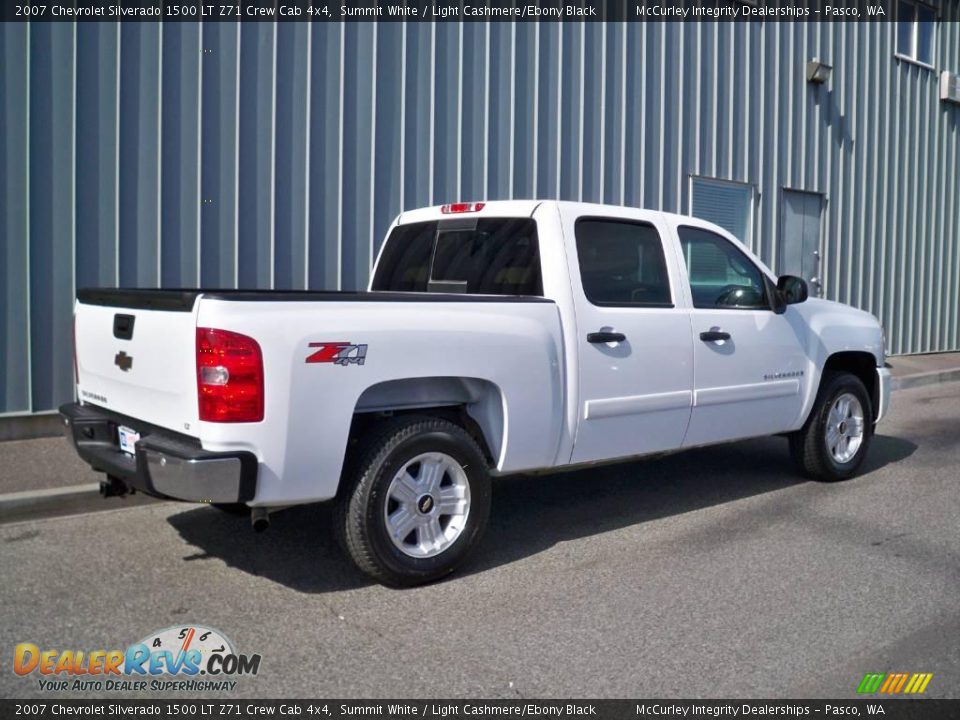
x: 500, y: 356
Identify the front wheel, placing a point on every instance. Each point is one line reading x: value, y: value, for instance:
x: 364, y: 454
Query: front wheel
x: 833, y: 442
x: 415, y: 502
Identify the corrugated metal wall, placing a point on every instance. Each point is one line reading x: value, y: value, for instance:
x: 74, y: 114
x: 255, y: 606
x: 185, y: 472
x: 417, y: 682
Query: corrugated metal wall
x: 275, y: 155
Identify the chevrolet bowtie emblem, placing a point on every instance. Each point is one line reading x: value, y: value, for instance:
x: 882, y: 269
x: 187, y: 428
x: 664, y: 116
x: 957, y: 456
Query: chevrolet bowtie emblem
x: 123, y: 361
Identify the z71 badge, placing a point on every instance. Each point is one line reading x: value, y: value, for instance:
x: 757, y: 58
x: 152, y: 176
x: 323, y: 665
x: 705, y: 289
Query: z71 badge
x: 338, y: 353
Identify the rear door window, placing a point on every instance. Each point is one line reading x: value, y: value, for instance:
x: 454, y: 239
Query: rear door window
x: 495, y: 256
x: 622, y: 263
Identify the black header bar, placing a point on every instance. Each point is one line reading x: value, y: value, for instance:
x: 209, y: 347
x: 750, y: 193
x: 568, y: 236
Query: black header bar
x: 460, y: 10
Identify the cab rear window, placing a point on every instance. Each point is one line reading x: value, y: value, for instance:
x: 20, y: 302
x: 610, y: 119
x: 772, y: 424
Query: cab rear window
x: 494, y: 256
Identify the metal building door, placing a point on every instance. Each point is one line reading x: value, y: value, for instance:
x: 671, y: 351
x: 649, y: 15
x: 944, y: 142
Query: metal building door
x: 800, y: 222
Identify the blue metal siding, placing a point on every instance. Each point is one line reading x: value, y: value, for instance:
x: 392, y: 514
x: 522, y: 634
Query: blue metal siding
x: 291, y: 189
x: 14, y: 217
x: 262, y: 155
x: 52, y: 209
x: 219, y: 150
x: 180, y: 157
x: 98, y: 91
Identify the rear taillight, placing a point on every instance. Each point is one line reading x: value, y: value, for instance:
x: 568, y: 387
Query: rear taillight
x: 462, y: 207
x: 229, y: 377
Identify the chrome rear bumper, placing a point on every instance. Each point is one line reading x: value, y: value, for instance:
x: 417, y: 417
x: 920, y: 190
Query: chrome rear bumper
x: 165, y: 464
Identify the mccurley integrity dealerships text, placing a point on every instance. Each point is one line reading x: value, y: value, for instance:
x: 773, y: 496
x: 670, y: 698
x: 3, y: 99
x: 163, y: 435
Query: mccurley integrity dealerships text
x: 666, y: 709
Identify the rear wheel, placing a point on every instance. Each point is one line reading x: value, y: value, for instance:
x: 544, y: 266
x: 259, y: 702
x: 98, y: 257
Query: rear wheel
x: 833, y: 442
x: 415, y: 502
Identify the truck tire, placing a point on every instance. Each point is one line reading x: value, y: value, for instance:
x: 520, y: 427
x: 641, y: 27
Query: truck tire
x: 834, y: 441
x: 414, y: 502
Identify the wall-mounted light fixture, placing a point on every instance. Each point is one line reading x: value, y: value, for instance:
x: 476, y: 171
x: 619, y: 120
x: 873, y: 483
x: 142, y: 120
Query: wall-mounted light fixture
x: 818, y: 72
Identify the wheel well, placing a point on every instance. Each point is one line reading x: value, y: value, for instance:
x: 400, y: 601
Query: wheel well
x: 364, y: 422
x: 474, y: 404
x: 861, y: 364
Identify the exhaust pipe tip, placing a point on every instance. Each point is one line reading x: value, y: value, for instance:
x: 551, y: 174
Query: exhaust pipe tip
x: 259, y: 519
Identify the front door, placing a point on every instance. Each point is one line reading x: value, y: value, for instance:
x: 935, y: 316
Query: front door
x: 634, y: 345
x: 749, y: 363
x: 799, y: 250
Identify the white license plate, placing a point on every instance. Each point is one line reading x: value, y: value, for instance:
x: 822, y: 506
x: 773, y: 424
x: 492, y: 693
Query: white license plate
x: 128, y: 439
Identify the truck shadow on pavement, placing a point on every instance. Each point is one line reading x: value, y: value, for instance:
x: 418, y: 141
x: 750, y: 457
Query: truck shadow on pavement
x: 530, y: 513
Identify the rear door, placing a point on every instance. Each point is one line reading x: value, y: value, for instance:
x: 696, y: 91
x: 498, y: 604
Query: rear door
x: 634, y: 343
x: 136, y: 355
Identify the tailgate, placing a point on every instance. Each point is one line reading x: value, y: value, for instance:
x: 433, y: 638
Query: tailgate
x: 136, y: 355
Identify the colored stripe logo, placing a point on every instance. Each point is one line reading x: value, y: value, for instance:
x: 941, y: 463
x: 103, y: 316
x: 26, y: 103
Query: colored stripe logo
x: 894, y: 683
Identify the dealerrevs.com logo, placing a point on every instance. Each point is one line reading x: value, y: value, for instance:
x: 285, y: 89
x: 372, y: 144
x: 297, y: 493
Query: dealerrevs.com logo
x: 177, y: 658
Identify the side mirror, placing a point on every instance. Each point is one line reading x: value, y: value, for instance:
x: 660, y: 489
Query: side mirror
x: 792, y: 289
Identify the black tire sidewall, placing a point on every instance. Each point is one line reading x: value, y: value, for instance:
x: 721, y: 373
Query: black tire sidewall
x: 396, y: 562
x: 837, y: 386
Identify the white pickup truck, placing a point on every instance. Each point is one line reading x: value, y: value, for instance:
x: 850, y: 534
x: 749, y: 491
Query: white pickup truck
x: 495, y: 338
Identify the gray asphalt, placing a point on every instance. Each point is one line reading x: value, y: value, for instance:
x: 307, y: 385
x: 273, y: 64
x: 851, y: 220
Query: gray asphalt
x: 712, y: 573
x: 41, y: 464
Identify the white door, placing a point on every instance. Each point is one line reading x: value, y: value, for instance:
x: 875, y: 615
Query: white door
x: 749, y: 363
x: 634, y: 345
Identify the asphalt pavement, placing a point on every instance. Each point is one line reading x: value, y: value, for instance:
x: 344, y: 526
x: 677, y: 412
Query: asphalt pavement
x: 42, y: 464
x: 711, y: 573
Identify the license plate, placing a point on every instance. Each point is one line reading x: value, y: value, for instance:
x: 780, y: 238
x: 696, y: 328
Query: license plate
x: 128, y: 439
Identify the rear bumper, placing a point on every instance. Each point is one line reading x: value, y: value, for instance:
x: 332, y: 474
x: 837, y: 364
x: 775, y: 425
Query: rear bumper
x: 883, y: 392
x: 166, y: 464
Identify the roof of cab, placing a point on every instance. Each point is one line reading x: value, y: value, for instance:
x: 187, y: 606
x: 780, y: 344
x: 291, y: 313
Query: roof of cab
x: 492, y: 208
x: 519, y: 208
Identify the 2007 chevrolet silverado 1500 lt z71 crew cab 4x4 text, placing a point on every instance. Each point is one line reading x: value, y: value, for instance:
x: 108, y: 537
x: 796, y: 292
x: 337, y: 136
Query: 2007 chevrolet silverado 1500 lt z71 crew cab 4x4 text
x: 495, y: 338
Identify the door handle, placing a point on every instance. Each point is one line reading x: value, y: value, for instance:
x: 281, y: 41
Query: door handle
x: 605, y: 337
x: 714, y: 335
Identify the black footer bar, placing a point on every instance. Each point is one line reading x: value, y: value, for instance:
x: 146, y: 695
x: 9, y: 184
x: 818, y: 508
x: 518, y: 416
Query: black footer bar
x: 886, y: 708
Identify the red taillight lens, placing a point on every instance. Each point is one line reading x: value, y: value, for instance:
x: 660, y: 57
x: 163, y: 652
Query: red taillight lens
x: 229, y: 377
x: 462, y: 208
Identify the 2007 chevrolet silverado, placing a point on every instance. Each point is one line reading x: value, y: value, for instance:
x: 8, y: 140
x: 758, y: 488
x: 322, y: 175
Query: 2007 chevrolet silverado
x: 495, y: 338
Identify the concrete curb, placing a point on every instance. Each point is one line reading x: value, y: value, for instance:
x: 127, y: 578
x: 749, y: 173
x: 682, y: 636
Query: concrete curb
x: 54, y: 502
x: 37, y: 504
x: 928, y: 378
